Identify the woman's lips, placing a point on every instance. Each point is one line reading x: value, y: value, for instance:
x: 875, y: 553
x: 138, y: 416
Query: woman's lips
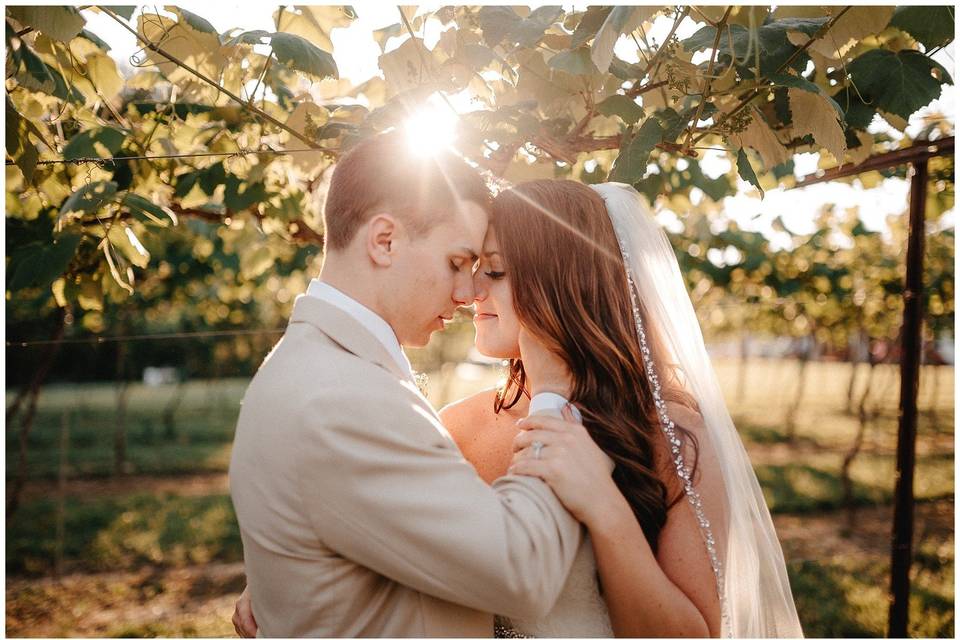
x: 484, y: 316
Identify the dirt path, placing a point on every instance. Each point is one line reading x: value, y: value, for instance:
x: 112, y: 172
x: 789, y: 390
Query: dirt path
x: 191, y: 601
x: 819, y: 536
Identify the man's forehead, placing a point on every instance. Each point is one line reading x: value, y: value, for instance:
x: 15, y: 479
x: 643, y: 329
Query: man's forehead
x: 470, y: 227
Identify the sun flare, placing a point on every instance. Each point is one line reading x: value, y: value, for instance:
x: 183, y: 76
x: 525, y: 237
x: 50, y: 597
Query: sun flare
x: 431, y: 129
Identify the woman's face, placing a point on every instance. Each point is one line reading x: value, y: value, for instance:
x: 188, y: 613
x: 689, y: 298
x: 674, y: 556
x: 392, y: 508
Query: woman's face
x: 496, y: 321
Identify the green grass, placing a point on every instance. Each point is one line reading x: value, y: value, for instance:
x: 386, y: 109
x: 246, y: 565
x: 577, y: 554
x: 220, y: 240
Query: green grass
x: 844, y: 598
x: 200, y: 442
x: 111, y: 534
x: 814, y: 484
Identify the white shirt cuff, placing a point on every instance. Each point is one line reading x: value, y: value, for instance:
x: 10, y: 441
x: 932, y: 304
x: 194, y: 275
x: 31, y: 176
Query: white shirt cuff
x: 551, y: 403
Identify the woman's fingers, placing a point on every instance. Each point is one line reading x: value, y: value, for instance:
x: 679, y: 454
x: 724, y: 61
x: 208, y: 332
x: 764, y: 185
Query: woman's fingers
x: 544, y: 422
x: 525, y: 439
x: 528, y: 466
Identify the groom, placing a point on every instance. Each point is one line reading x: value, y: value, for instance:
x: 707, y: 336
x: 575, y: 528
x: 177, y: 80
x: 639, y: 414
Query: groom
x: 359, y: 516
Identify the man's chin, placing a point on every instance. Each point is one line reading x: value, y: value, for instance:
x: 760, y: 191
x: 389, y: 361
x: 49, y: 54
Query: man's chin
x: 421, y: 340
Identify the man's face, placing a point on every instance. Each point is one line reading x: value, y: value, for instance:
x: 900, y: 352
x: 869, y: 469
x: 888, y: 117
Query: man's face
x: 433, y: 274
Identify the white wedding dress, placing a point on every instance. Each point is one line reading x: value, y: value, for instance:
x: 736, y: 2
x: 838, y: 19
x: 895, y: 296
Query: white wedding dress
x: 580, y: 611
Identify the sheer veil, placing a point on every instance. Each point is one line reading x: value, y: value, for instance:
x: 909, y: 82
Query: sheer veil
x: 747, y: 560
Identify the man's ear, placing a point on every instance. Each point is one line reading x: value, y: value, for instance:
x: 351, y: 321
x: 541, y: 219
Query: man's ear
x: 382, y: 232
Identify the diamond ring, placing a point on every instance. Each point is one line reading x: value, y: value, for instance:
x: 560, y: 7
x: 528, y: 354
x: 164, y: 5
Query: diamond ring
x: 537, y: 449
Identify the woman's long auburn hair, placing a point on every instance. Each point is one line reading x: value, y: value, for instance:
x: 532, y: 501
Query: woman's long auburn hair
x: 570, y: 291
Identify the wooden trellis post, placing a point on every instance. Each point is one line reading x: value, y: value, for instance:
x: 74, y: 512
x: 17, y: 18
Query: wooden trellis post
x: 901, y: 551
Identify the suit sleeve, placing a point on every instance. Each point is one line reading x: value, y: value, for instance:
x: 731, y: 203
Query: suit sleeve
x: 387, y: 488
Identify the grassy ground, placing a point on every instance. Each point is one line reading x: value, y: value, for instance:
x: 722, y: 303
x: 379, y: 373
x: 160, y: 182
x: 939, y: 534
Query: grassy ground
x: 158, y: 552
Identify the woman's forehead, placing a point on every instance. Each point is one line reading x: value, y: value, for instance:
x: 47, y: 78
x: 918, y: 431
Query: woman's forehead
x: 490, y: 244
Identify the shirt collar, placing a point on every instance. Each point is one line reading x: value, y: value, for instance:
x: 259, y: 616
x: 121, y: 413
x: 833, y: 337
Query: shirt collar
x: 365, y: 316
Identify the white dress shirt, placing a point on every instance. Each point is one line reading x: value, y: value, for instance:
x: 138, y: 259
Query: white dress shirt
x: 372, y: 322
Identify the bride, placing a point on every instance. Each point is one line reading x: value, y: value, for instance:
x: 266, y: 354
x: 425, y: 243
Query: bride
x: 680, y: 540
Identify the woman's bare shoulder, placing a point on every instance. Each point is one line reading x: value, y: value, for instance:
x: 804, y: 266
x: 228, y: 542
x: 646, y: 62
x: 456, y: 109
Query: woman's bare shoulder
x: 468, y: 409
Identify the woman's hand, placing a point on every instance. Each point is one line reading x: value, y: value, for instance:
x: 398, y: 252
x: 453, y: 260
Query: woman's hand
x: 243, y: 621
x: 577, y: 470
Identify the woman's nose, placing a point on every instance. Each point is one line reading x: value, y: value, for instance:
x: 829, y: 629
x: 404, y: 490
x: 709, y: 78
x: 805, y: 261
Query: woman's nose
x: 479, y: 287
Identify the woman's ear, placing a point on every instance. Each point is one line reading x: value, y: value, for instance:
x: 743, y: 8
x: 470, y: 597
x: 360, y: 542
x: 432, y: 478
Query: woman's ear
x: 382, y: 233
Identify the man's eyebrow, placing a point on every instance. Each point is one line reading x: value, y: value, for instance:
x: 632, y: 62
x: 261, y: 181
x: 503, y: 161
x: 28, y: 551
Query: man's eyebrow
x: 467, y: 251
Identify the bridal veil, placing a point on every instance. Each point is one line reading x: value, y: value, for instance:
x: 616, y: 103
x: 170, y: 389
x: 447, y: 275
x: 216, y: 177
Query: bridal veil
x: 747, y: 560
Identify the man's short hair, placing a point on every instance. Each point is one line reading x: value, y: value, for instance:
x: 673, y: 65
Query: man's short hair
x: 383, y: 170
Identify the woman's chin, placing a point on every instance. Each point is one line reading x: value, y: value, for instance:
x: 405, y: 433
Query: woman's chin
x: 502, y: 352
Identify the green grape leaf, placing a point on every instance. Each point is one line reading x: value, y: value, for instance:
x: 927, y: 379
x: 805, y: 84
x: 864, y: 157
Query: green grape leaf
x: 60, y: 23
x: 302, y: 55
x: 631, y: 164
x: 575, y: 62
x: 930, y: 26
x: 745, y: 169
x: 89, y: 198
x: 622, y: 106
x: 101, y: 142
x: 900, y: 83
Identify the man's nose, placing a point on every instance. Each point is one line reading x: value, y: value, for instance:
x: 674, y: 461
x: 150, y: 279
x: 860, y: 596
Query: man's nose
x: 463, y: 293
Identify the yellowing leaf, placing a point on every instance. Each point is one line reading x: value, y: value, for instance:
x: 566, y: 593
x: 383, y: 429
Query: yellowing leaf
x: 144, y: 79
x: 791, y: 11
x: 759, y: 136
x: 746, y: 16
x: 123, y: 239
x: 897, y: 122
x: 621, y: 20
x: 307, y: 118
x: 408, y: 66
x: 60, y: 23
x: 374, y: 90
x: 104, y: 75
x: 333, y: 88
x: 813, y: 114
x: 90, y: 294
x: 854, y: 25
x: 58, y: 287
x: 535, y: 80
x: 857, y: 23
x: 197, y: 49
x: 313, y: 23
x: 861, y: 153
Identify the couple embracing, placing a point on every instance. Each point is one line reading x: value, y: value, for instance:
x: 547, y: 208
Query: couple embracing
x: 603, y: 490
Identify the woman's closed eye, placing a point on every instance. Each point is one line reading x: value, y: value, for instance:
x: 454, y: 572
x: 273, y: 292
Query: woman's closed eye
x: 495, y: 275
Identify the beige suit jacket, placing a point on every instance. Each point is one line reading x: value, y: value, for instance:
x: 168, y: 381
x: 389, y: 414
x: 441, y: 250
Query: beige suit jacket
x: 358, y: 513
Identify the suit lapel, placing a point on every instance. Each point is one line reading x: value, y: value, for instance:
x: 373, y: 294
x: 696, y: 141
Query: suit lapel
x: 346, y: 331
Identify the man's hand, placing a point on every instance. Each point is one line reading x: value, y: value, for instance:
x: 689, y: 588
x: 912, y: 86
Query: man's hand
x: 545, y: 371
x: 243, y: 621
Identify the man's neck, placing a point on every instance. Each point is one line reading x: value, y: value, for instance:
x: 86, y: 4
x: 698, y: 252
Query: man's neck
x: 351, y: 286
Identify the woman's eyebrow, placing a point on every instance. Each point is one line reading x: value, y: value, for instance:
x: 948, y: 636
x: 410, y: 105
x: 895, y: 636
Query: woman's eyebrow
x: 490, y: 254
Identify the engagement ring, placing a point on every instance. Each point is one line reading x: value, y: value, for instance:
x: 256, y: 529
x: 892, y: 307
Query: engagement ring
x: 537, y: 448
